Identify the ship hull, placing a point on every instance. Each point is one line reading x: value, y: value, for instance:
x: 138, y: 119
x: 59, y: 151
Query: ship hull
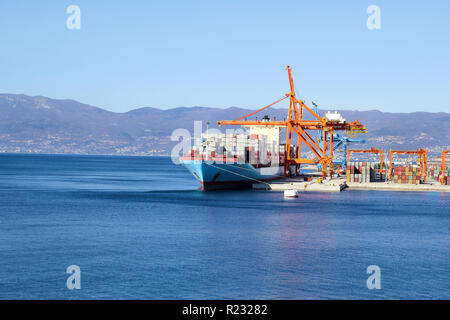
x: 219, y: 176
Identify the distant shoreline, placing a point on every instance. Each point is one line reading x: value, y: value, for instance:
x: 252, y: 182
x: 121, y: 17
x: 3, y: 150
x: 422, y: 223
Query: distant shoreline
x: 82, y: 155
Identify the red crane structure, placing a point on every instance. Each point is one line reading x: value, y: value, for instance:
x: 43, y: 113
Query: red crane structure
x: 297, y: 126
x: 444, y: 152
x: 422, y: 153
x: 371, y: 150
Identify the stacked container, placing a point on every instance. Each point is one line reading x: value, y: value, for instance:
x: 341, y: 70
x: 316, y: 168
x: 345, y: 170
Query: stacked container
x: 406, y: 175
x: 252, y: 148
x: 363, y: 172
x: 434, y: 172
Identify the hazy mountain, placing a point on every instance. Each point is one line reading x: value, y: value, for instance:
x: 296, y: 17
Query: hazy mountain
x: 44, y: 125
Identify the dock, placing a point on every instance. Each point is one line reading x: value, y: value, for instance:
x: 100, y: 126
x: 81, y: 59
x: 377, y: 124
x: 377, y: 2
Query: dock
x: 340, y: 184
x: 335, y: 185
x: 389, y: 186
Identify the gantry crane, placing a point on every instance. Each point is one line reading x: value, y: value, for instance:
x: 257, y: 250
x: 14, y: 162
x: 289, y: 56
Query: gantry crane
x: 339, y: 141
x: 295, y: 123
x: 371, y: 150
x: 422, y: 153
x: 343, y: 141
x: 444, y: 152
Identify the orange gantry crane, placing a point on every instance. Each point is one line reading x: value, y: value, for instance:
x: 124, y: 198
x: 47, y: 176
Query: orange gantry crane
x: 444, y: 152
x: 296, y: 125
x: 371, y: 150
x: 422, y: 153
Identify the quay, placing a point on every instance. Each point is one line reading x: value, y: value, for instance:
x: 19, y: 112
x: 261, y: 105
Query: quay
x: 340, y: 184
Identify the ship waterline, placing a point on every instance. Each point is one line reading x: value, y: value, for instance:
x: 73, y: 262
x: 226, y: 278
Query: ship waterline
x: 222, y: 175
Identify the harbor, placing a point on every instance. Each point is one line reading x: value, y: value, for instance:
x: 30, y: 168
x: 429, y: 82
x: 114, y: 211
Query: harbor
x: 255, y: 155
x: 224, y: 159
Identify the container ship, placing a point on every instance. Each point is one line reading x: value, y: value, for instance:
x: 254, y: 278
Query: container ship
x: 237, y: 160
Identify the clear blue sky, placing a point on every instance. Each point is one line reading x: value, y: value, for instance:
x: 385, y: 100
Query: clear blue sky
x: 222, y: 53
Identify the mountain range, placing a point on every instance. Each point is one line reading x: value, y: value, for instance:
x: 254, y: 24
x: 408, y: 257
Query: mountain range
x: 43, y: 125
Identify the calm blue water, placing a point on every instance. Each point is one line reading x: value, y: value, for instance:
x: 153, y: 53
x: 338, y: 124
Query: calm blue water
x: 139, y: 228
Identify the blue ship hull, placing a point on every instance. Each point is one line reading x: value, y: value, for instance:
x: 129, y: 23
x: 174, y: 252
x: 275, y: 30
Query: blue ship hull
x: 214, y: 176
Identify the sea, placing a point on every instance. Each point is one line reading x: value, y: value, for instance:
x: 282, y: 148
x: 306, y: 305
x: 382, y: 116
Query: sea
x: 140, y: 228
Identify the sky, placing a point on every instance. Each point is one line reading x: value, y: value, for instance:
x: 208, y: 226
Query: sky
x: 223, y: 53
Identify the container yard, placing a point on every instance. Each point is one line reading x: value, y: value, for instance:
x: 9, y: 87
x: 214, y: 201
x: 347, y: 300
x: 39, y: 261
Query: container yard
x: 364, y: 175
